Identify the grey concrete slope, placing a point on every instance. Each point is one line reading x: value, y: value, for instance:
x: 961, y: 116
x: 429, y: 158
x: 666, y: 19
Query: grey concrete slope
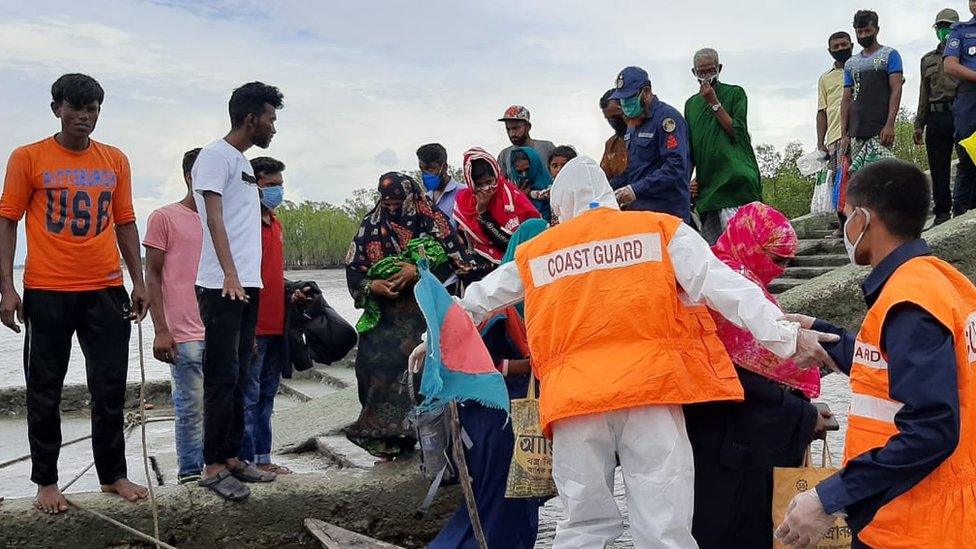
x: 351, y: 491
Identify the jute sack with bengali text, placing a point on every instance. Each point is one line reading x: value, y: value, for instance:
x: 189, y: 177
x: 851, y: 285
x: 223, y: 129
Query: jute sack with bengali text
x: 530, y: 472
x: 790, y: 481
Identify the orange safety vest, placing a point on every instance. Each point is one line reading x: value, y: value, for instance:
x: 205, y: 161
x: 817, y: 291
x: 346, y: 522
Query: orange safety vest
x: 940, y: 511
x: 605, y: 324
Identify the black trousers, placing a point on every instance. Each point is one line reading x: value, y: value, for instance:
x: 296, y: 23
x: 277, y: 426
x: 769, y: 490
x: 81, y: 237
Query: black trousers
x: 228, y: 344
x: 100, y: 318
x: 736, y: 446
x: 939, y: 142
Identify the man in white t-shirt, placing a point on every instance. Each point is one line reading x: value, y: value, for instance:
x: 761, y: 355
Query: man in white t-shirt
x: 228, y: 282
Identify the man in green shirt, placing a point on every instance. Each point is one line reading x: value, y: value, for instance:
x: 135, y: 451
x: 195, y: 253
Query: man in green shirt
x: 727, y: 174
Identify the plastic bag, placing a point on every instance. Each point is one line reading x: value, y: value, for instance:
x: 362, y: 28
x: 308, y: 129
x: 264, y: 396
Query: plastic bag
x: 812, y: 163
x: 969, y: 144
x: 822, y: 201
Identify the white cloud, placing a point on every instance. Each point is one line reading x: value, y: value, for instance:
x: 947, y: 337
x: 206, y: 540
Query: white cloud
x: 365, y: 85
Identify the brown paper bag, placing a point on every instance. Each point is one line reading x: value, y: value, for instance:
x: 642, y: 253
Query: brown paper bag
x: 790, y: 481
x: 530, y: 473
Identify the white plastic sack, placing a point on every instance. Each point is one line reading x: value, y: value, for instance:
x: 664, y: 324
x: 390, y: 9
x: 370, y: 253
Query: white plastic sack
x: 812, y: 163
x: 822, y: 201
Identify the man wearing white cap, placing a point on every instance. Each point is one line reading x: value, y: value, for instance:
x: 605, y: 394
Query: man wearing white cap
x: 620, y: 338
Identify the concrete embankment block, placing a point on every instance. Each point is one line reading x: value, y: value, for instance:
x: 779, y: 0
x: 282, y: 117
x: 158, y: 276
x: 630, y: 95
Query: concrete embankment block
x: 13, y: 400
x: 379, y: 503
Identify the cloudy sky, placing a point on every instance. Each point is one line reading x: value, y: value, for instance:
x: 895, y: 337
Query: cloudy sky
x: 365, y: 83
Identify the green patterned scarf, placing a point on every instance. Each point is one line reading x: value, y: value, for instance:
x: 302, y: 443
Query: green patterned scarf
x: 390, y: 265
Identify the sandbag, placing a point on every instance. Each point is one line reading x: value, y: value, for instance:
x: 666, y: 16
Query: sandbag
x: 530, y: 471
x: 790, y: 481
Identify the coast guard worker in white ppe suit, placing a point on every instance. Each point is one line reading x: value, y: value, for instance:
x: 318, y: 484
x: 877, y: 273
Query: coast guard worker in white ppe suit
x: 619, y: 342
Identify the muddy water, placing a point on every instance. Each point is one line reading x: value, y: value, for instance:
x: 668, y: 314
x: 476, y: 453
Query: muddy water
x: 13, y: 438
x: 332, y: 282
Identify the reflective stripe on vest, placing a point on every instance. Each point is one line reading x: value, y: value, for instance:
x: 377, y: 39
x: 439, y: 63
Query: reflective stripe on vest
x: 875, y: 408
x: 594, y: 256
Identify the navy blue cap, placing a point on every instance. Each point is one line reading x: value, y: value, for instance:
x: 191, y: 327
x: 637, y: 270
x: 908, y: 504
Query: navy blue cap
x: 630, y: 82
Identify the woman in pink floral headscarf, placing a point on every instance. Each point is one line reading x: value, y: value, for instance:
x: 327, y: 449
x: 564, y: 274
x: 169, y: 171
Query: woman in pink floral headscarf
x: 737, y: 444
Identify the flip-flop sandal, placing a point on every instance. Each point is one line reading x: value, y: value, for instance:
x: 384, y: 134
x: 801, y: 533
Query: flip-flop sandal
x: 226, y: 486
x: 250, y: 473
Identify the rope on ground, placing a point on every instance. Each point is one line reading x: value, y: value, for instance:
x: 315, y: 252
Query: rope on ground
x: 131, y: 425
x: 142, y: 423
x: 92, y: 464
x: 118, y: 524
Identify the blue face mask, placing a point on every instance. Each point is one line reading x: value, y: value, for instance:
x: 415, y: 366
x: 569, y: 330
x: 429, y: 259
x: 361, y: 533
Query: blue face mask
x: 271, y: 197
x: 431, y: 181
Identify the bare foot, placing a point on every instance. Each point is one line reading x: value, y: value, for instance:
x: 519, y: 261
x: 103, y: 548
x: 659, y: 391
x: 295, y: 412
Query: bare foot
x: 234, y: 463
x: 213, y: 469
x: 272, y: 468
x: 127, y: 489
x: 50, y: 499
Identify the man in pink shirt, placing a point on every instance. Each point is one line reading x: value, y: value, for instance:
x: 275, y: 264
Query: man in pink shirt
x: 173, y: 240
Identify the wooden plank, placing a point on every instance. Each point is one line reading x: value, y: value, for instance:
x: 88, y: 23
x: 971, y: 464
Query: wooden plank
x: 333, y: 537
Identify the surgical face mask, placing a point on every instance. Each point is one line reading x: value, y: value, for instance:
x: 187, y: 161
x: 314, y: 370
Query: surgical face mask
x: 852, y: 248
x: 271, y: 197
x: 632, y: 106
x: 943, y: 33
x: 709, y: 77
x: 842, y: 55
x: 431, y: 181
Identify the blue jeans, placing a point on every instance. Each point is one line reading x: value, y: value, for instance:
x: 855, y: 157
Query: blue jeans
x: 260, y: 388
x: 187, y: 373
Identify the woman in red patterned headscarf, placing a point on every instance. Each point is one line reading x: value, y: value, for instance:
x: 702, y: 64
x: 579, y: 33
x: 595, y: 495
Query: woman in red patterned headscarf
x: 737, y: 444
x: 490, y: 209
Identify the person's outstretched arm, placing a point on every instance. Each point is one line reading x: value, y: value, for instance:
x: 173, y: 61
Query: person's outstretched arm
x: 501, y: 288
x: 705, y: 278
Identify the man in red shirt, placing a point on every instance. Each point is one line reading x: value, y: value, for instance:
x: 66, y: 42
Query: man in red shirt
x: 264, y: 373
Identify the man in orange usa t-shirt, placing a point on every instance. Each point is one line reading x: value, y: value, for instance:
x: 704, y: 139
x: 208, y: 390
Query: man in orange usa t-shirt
x: 77, y: 196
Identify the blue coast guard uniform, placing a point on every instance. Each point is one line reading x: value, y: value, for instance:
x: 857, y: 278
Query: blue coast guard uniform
x: 961, y: 44
x: 658, y: 152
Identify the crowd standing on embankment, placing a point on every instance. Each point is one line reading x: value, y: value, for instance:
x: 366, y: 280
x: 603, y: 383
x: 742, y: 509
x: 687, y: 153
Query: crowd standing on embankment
x: 633, y: 288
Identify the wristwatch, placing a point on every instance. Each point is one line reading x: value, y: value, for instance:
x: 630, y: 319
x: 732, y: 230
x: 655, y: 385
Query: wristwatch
x: 716, y: 107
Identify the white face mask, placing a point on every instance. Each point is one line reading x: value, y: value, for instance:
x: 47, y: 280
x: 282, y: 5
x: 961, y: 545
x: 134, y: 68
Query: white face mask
x: 852, y: 248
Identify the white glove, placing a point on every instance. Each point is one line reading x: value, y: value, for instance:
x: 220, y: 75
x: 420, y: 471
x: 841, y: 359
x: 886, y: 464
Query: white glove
x: 805, y: 522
